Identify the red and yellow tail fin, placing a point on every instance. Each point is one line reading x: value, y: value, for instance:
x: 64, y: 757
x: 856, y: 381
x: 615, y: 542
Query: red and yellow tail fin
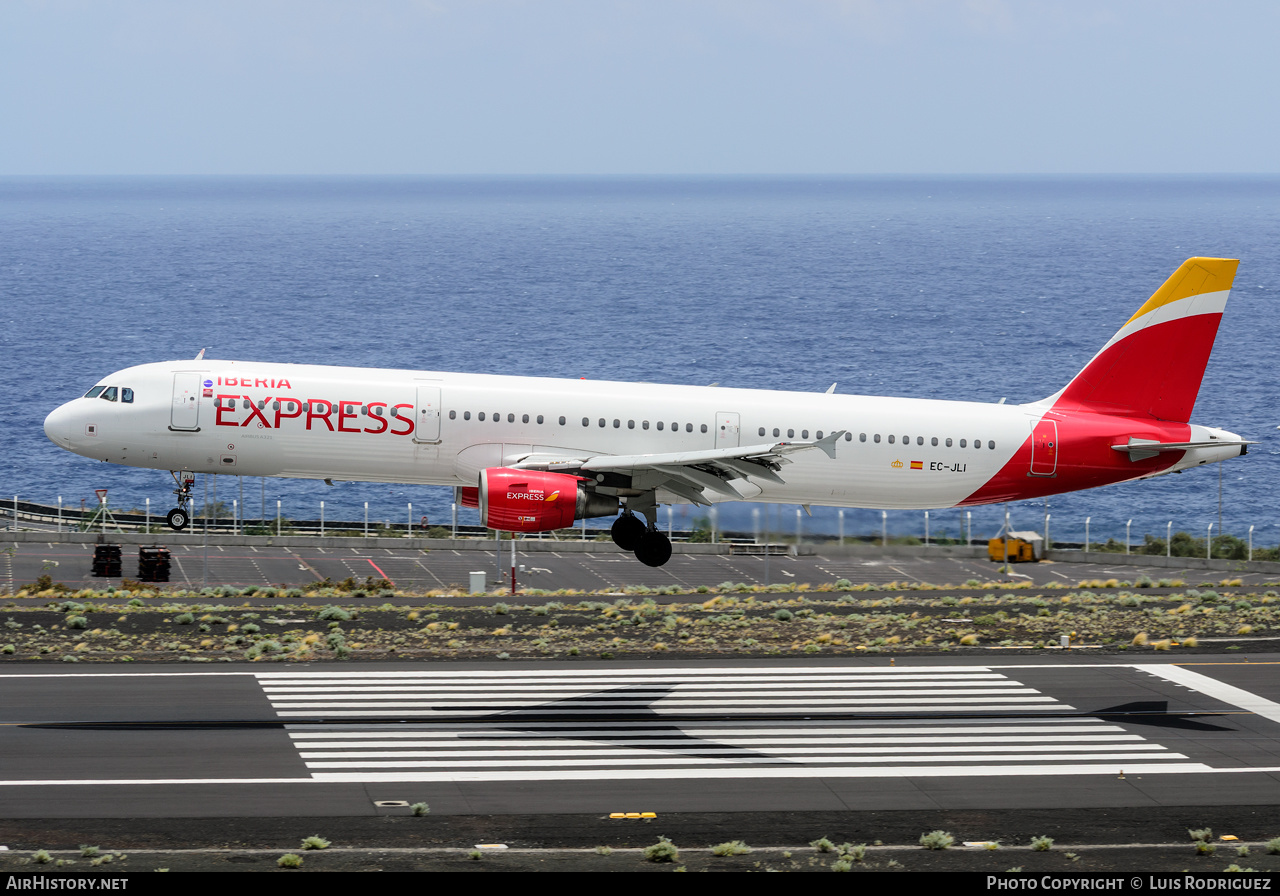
x: 1153, y: 366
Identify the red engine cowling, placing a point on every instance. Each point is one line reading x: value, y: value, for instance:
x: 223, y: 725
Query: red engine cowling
x: 533, y: 501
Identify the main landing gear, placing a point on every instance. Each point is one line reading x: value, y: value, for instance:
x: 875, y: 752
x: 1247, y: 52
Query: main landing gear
x: 179, y: 518
x: 650, y: 546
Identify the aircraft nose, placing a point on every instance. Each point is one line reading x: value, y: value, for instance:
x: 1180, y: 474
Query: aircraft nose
x: 58, y: 426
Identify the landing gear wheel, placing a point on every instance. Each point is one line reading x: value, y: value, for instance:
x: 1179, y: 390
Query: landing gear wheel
x: 627, y: 532
x: 654, y: 549
x: 177, y: 519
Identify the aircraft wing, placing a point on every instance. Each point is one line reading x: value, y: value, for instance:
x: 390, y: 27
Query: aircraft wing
x: 689, y: 474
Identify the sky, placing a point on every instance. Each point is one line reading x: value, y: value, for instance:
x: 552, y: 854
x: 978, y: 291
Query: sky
x: 651, y: 87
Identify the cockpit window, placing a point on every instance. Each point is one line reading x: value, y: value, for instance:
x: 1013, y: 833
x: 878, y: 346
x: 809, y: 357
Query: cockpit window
x: 94, y: 392
x: 126, y: 395
x: 109, y: 394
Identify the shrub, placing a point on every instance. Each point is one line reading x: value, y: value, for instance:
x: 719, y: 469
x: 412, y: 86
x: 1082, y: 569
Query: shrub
x: 289, y: 860
x: 1202, y: 834
x: 662, y: 851
x: 315, y: 841
x: 730, y: 848
x: 936, y: 840
x: 822, y: 844
x: 1042, y: 844
x: 420, y: 809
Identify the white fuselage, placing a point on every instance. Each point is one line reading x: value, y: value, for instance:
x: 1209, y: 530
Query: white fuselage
x: 341, y: 423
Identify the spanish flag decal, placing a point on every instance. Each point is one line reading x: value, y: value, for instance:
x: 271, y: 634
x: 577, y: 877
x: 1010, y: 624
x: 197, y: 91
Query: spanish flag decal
x: 917, y: 465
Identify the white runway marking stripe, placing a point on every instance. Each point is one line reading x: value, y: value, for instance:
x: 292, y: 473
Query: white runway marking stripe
x: 612, y: 725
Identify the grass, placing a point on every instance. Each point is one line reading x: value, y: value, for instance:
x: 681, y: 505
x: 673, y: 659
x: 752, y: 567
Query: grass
x: 900, y: 620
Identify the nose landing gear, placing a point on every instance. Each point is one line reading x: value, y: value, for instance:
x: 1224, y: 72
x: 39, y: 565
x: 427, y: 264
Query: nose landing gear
x: 179, y: 518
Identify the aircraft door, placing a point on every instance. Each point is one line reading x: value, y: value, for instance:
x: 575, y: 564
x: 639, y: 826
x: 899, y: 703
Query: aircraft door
x: 1044, y: 448
x: 728, y: 430
x: 185, y: 413
x: 426, y: 426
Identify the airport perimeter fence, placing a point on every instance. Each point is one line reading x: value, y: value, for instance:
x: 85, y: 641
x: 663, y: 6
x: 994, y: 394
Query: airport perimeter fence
x: 16, y: 514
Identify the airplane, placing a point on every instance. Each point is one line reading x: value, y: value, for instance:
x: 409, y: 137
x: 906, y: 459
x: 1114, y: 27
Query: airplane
x: 538, y: 454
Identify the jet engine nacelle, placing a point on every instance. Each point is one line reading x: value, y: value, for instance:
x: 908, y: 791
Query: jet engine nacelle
x: 533, y: 501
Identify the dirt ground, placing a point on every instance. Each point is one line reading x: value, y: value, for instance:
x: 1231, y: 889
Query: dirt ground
x: 1122, y: 840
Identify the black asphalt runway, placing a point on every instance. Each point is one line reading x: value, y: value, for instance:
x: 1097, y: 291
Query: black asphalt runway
x: 864, y: 734
x: 601, y: 568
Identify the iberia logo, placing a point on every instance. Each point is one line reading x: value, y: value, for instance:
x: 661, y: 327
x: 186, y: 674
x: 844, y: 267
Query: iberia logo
x: 897, y: 464
x: 551, y: 497
x: 917, y: 465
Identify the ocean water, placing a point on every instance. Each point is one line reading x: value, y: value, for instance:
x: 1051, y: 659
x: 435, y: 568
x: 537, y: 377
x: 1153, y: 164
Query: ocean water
x: 964, y: 288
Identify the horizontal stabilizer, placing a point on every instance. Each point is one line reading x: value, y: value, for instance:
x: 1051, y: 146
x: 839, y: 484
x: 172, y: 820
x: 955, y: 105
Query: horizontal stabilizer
x: 1141, y: 449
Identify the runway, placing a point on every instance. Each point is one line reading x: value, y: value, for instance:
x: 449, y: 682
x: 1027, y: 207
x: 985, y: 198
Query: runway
x: 593, y: 737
